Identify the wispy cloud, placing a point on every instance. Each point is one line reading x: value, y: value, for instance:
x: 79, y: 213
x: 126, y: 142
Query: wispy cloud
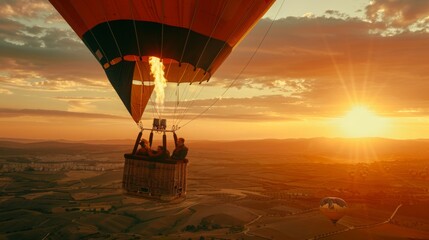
x: 8, y: 112
x: 5, y: 91
x: 24, y: 9
x: 82, y: 104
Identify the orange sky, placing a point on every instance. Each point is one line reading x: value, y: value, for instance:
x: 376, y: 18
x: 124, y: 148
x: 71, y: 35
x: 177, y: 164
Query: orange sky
x: 315, y: 64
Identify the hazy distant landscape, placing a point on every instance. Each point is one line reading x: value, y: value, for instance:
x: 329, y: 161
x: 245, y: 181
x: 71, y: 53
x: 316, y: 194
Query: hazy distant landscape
x: 259, y: 189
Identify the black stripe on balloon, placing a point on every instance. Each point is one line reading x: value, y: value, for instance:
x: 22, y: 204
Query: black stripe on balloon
x: 120, y: 76
x: 150, y: 37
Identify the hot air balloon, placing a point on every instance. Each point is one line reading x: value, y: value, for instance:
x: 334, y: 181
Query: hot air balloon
x: 333, y: 208
x: 188, y: 39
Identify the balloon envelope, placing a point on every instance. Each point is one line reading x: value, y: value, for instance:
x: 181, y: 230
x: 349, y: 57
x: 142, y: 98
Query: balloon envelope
x: 333, y: 208
x: 192, y: 37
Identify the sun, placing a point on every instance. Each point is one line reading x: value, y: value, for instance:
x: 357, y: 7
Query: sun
x: 361, y: 122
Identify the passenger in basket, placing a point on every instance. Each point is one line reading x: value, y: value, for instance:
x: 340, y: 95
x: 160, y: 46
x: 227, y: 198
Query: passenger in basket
x: 160, y: 154
x: 144, y: 149
x: 180, y: 151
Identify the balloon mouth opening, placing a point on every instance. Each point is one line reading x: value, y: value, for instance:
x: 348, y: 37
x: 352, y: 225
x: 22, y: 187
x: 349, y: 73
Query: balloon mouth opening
x: 143, y: 83
x: 135, y: 58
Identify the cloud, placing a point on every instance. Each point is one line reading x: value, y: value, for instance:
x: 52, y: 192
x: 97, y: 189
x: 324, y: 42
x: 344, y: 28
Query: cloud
x: 399, y: 13
x: 83, y: 98
x: 82, y: 104
x: 5, y: 91
x: 336, y: 14
x: 9, y: 112
x: 48, y: 58
x: 24, y: 9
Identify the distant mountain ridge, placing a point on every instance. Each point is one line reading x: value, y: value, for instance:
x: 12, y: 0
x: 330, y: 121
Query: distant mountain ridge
x: 57, y: 147
x: 333, y: 148
x: 108, y: 141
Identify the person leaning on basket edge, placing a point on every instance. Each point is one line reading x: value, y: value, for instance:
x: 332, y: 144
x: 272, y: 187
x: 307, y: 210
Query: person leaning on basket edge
x: 180, y: 151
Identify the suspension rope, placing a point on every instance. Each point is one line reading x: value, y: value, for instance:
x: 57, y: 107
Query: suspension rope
x: 242, y: 70
x: 178, y: 102
x: 185, y: 96
x: 192, y: 103
x: 237, y: 26
x: 178, y: 96
x: 161, y: 18
x: 135, y: 27
x: 111, y: 31
x: 142, y: 89
x: 189, y: 31
x: 230, y: 36
x: 92, y: 34
x: 210, y: 37
x: 162, y: 28
x: 177, y: 92
x: 219, y: 17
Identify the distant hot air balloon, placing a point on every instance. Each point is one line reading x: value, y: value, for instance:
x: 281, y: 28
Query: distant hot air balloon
x: 334, y: 208
x: 140, y: 44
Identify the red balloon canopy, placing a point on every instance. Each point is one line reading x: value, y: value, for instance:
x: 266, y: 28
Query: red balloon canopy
x: 192, y: 37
